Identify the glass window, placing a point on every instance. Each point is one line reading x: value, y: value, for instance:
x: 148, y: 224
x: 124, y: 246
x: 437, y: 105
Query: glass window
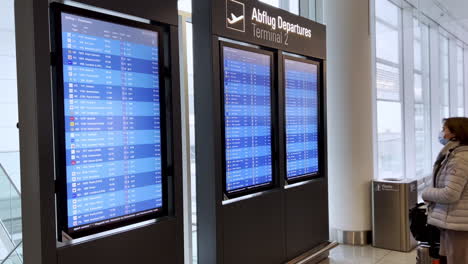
x: 460, y: 82
x: 417, y: 55
x: 388, y: 12
x: 423, y: 141
x: 422, y: 125
x: 418, y: 90
x: 387, y: 42
x: 193, y: 187
x: 388, y: 83
x: 185, y: 5
x: 391, y: 82
x: 9, y: 141
x: 390, y: 140
x: 417, y: 44
x: 10, y: 180
x: 294, y: 6
x: 275, y: 3
x: 389, y: 117
x: 313, y: 10
x: 417, y: 29
x: 445, y: 77
x: 417, y: 52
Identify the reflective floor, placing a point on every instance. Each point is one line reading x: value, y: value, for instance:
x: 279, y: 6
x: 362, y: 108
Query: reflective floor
x: 344, y: 254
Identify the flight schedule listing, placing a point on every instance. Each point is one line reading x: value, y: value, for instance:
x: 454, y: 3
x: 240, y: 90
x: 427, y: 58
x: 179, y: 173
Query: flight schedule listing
x: 112, y: 121
x: 247, y: 114
x: 301, y: 118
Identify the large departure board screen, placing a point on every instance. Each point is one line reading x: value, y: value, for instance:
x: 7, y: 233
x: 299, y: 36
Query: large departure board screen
x: 247, y: 119
x: 112, y: 122
x: 301, y: 118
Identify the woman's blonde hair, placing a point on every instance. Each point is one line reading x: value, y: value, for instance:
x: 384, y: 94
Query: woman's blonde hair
x: 459, y: 127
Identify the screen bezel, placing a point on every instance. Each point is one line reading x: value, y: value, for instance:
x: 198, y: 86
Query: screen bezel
x: 318, y: 174
x: 57, y: 10
x: 256, y: 188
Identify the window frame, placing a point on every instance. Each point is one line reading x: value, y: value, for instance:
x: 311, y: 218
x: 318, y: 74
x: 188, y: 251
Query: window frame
x: 459, y: 45
x: 376, y: 99
x: 184, y: 19
x: 425, y: 74
x: 431, y: 101
x: 465, y: 73
x: 443, y: 36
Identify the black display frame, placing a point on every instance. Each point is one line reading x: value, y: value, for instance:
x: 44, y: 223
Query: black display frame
x: 56, y: 10
x: 320, y: 123
x: 274, y: 123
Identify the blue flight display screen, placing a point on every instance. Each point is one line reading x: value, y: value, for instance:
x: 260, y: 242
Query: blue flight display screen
x: 112, y: 121
x: 301, y: 118
x: 247, y: 116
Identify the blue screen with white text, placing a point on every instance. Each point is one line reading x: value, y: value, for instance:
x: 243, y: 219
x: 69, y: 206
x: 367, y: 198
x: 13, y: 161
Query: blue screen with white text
x: 247, y: 115
x: 301, y: 118
x: 112, y: 121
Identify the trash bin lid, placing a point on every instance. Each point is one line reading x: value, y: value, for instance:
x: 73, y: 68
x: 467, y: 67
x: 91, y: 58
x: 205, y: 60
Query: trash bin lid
x: 393, y: 179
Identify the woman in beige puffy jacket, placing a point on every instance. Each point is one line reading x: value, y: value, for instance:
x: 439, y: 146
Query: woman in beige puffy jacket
x: 448, y: 199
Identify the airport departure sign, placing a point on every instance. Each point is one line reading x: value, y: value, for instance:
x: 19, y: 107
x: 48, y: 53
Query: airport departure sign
x: 112, y: 121
x: 247, y: 116
x: 301, y: 118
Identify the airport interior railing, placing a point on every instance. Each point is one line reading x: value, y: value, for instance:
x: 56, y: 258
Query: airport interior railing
x: 11, y: 250
x: 15, y: 256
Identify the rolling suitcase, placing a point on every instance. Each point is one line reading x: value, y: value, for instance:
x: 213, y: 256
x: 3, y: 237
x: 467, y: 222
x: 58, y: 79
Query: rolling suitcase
x: 429, y: 254
x: 427, y: 235
x: 422, y: 255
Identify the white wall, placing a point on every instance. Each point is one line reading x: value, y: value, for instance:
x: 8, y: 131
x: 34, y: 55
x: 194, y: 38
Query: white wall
x: 8, y: 90
x: 350, y: 114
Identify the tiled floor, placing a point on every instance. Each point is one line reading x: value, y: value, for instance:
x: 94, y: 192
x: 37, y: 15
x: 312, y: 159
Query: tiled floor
x: 344, y: 254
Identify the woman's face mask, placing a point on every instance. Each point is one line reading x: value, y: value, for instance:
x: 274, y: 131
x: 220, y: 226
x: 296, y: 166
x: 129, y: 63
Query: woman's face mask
x: 445, y: 136
x: 442, y: 139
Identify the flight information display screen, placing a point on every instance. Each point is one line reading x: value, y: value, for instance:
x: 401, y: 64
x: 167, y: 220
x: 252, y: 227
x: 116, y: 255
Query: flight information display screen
x: 247, y: 117
x: 301, y: 118
x: 111, y: 120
